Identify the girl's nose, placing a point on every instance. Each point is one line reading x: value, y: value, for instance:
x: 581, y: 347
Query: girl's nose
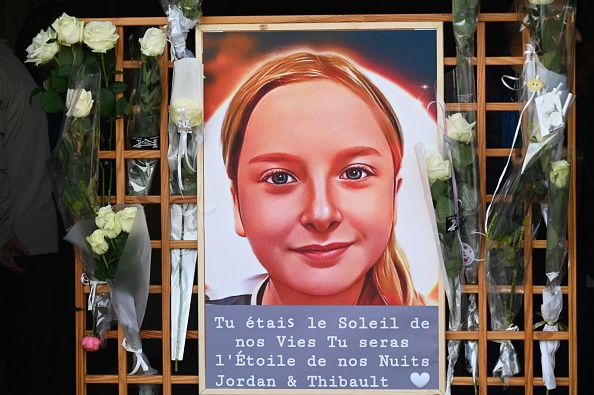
x: 321, y: 212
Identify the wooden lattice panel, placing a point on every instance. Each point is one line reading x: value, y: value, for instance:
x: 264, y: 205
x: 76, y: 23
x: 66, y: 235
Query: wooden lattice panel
x: 107, y: 371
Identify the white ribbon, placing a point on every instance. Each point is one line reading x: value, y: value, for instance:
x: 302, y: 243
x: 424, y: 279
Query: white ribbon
x: 179, y: 26
x: 183, y: 128
x: 93, y: 294
x: 511, y: 150
x: 139, y: 359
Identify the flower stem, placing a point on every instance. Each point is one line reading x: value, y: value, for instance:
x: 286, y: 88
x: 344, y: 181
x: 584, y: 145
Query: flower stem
x: 102, y: 184
x: 104, y: 72
x: 511, y: 297
x: 105, y: 261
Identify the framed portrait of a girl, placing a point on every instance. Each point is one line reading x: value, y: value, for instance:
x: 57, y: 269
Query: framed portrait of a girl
x: 318, y: 268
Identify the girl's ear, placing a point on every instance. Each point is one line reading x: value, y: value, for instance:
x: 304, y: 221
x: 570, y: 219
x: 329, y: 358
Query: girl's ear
x: 237, y: 213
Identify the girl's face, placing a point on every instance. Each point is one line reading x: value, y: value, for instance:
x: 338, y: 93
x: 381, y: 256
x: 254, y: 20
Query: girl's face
x: 315, y: 192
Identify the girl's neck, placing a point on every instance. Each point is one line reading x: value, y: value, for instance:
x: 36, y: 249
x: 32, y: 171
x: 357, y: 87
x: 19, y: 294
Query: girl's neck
x: 278, y: 294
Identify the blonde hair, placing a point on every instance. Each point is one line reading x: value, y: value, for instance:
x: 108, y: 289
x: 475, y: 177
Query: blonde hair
x: 389, y: 281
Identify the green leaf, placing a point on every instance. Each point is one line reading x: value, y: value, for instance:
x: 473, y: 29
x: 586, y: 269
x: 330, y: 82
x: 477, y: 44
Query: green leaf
x: 552, y: 237
x: 111, y: 271
x: 468, y: 196
x: 81, y: 125
x: 51, y: 101
x: 118, y: 86
x: 122, y: 107
x: 90, y: 59
x: 59, y: 84
x: 154, y: 98
x: 99, y: 274
x: 438, y: 188
x: 107, y: 101
x: 155, y: 77
x: 540, y: 190
x: 462, y: 155
x: 444, y: 208
x: 35, y: 92
x: 65, y: 55
x: 64, y: 71
x: 552, y: 60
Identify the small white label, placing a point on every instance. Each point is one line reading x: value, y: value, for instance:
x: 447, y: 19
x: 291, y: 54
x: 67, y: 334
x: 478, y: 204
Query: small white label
x: 550, y: 113
x: 184, y: 125
x: 467, y: 254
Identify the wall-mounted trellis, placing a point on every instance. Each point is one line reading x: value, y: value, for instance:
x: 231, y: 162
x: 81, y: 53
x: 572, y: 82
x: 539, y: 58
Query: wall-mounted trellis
x: 107, y: 371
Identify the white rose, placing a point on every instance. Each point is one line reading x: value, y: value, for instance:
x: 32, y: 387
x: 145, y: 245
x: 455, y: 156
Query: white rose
x: 153, y: 42
x: 126, y: 218
x: 97, y: 242
x: 459, y: 129
x: 100, y: 36
x: 184, y: 108
x: 83, y: 104
x: 438, y: 169
x: 40, y: 52
x: 69, y: 29
x: 106, y: 221
x: 541, y: 2
x: 560, y: 173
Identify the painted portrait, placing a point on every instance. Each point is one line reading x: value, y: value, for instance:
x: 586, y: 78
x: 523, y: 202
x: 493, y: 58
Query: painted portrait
x: 312, y: 193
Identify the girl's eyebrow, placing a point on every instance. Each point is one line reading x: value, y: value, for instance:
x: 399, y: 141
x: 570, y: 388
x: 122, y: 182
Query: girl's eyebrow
x: 282, y: 157
x: 358, y: 151
x: 275, y: 157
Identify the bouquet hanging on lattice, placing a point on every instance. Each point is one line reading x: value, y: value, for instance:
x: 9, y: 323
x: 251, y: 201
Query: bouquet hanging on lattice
x: 544, y: 92
x: 551, y: 29
x: 144, y: 120
x: 186, y: 128
x: 74, y: 174
x: 454, y: 185
x: 118, y: 242
x: 182, y: 16
x: 452, y: 172
x: 67, y: 44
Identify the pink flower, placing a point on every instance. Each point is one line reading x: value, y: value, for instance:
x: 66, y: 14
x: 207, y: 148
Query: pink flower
x: 90, y: 343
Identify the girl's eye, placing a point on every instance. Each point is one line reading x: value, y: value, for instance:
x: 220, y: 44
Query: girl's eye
x: 355, y: 173
x: 279, y: 178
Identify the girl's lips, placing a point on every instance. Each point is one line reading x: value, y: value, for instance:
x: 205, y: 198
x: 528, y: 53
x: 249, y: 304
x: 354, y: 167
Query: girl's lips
x: 323, y: 252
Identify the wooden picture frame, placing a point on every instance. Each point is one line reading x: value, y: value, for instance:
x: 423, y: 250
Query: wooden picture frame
x: 326, y: 348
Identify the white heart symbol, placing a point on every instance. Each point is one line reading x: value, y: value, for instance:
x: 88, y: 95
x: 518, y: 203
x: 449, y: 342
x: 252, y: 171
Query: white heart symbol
x: 419, y: 380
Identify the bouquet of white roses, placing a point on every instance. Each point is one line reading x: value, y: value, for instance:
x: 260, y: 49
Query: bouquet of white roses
x: 453, y: 178
x: 109, y: 239
x: 551, y: 26
x: 74, y: 163
x: 544, y: 92
x: 457, y: 119
x: 74, y: 173
x: 144, y: 120
x: 119, y: 242
x: 67, y: 44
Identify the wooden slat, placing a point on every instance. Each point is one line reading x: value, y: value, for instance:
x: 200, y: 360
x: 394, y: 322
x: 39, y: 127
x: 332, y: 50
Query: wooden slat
x: 481, y: 95
x: 165, y: 229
